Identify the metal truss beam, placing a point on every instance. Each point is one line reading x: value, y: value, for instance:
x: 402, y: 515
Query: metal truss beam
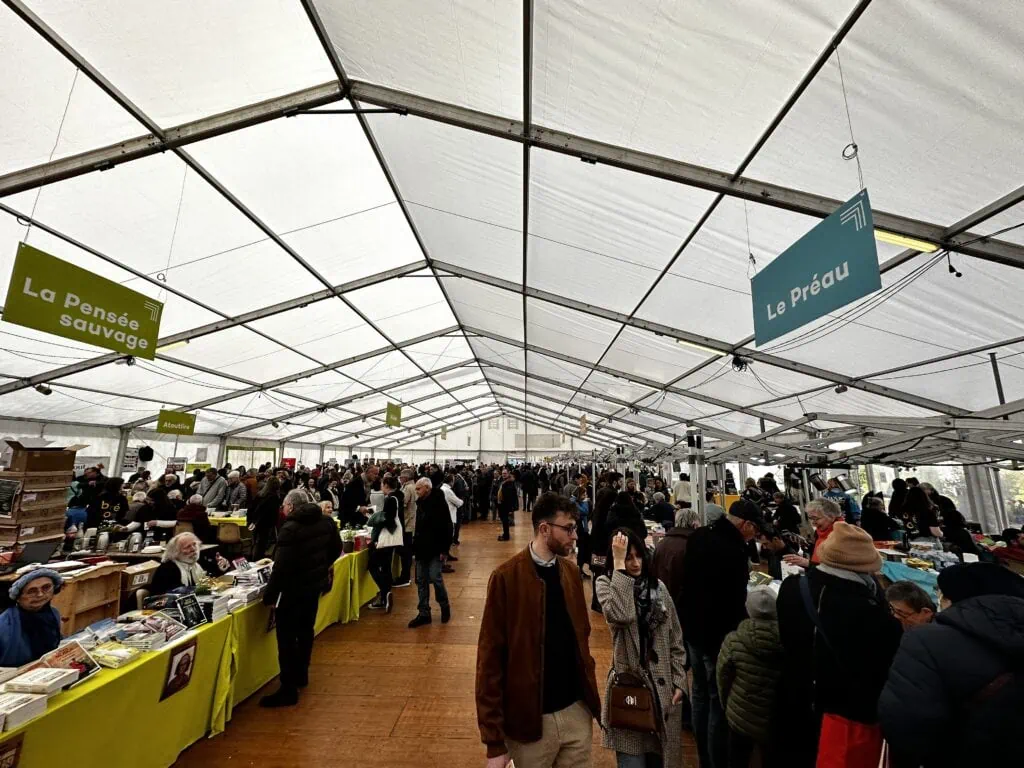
x: 557, y: 416
x: 418, y: 428
x: 350, y: 398
x: 600, y: 440
x: 704, y: 341
x: 273, y: 384
x: 93, y: 74
x: 636, y: 379
x: 382, y: 411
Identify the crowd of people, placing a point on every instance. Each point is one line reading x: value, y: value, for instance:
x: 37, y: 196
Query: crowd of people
x: 828, y: 669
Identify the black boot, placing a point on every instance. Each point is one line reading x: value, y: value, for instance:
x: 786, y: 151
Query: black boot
x: 446, y: 614
x: 284, y: 697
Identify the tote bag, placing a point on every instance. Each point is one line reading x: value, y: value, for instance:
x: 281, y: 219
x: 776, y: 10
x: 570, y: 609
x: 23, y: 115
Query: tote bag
x: 385, y: 539
x: 848, y: 744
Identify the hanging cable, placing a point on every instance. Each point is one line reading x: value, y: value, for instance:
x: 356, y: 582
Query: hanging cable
x: 751, y: 261
x: 56, y: 142
x: 162, y: 276
x: 851, y: 151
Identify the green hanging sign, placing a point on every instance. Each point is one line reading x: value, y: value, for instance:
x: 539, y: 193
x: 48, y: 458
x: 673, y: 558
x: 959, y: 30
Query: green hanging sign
x: 176, y: 423
x: 394, y: 415
x: 833, y: 264
x: 54, y: 296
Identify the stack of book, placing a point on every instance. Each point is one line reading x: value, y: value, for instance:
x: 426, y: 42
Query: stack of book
x: 18, y: 708
x: 42, y: 680
x: 215, y: 606
x: 151, y: 632
x: 254, y: 575
x: 115, y: 655
x: 235, y: 603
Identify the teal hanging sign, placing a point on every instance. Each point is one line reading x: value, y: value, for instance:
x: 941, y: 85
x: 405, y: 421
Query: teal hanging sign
x: 833, y: 264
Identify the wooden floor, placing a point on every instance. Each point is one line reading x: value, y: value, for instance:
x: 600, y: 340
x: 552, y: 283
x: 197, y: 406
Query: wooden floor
x: 381, y: 694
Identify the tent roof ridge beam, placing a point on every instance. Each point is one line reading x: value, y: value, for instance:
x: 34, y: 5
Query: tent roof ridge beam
x: 350, y: 398
x: 358, y: 417
x: 705, y: 341
x: 257, y: 386
x: 641, y: 380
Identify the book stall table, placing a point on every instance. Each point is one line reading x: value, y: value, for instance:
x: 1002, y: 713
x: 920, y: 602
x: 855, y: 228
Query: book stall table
x: 92, y: 723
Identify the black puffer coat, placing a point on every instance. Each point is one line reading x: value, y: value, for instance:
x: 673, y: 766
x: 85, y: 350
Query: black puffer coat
x: 307, y: 546
x: 949, y: 700
x: 749, y: 670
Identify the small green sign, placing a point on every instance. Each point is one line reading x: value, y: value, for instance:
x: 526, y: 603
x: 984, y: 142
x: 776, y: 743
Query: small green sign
x: 176, y: 423
x: 54, y: 296
x: 394, y: 415
x: 833, y: 264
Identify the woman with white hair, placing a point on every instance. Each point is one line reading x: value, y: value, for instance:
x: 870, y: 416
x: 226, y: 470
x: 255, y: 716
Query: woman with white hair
x: 180, y: 566
x: 822, y: 514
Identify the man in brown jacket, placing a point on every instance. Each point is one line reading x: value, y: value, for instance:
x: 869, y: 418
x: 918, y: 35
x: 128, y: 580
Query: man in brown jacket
x: 536, y: 691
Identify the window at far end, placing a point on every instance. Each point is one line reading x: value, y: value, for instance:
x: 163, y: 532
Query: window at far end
x: 512, y: 423
x: 494, y: 424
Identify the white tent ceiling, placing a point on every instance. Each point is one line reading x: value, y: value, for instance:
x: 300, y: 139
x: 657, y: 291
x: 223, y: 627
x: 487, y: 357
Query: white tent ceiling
x: 453, y: 254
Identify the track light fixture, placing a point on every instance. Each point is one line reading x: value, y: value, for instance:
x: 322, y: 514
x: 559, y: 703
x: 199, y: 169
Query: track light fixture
x: 274, y: 424
x: 840, y: 388
x: 42, y: 389
x: 739, y: 364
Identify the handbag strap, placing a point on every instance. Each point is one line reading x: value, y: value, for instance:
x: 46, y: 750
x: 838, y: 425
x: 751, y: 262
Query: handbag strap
x: 812, y: 611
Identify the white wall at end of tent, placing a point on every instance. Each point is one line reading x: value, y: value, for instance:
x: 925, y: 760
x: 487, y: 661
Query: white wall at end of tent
x: 496, y: 439
x: 303, y: 453
x: 167, y: 446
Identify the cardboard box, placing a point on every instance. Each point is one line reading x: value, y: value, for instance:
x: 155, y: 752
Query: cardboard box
x: 38, y: 530
x: 36, y: 455
x: 40, y: 481
x: 138, y: 575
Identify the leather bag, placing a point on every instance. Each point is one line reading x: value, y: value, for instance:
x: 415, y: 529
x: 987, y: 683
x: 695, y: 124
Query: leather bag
x: 631, y: 704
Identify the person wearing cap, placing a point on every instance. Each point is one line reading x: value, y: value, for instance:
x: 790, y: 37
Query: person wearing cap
x: 30, y: 627
x: 955, y: 692
x: 712, y: 602
x: 750, y: 667
x: 840, y: 637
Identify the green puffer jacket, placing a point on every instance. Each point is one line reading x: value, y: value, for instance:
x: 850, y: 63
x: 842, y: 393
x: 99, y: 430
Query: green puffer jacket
x: 749, y: 671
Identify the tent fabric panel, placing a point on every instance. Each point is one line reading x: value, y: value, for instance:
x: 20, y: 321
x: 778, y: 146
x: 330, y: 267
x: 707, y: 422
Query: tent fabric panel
x: 35, y: 92
x: 185, y: 60
x: 298, y: 172
x: 568, y: 331
x: 559, y: 370
x: 463, y: 191
x: 404, y: 308
x: 652, y: 357
x: 319, y: 328
x: 593, y: 227
x: 157, y: 380
x: 440, y: 352
x: 485, y: 307
x: 938, y: 137
x: 240, y: 352
x: 458, y: 51
x: 612, y: 71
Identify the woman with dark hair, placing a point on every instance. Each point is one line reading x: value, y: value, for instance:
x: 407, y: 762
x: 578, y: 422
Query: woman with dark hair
x: 874, y: 520
x: 635, y: 496
x: 647, y: 650
x: 582, y: 503
x: 261, y: 517
x: 898, y: 498
x: 924, y: 514
x: 623, y: 514
x: 158, y: 515
x: 109, y: 507
x: 954, y: 531
x: 385, y: 538
x: 329, y: 491
x: 599, y: 535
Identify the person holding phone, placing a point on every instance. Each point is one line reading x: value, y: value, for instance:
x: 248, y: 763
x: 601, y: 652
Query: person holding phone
x: 647, y: 642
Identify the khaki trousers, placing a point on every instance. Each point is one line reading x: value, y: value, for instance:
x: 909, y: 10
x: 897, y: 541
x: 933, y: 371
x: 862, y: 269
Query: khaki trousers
x: 564, y: 743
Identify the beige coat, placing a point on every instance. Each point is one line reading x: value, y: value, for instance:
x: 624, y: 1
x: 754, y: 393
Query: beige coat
x: 666, y: 674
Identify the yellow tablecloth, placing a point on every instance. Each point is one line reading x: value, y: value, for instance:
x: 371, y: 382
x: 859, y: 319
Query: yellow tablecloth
x: 117, y: 719
x: 236, y: 520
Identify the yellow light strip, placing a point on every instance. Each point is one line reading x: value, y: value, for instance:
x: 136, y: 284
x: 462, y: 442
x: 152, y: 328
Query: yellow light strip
x: 907, y: 242
x: 175, y: 345
x: 698, y: 346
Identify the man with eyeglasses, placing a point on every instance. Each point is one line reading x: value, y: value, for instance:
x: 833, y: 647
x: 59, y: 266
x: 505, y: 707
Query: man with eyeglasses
x: 536, y: 690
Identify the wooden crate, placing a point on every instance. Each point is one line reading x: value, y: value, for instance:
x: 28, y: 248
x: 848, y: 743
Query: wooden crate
x: 89, y: 598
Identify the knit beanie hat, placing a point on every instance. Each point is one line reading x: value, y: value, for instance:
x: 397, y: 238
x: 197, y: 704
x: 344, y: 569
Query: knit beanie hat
x: 850, y: 548
x: 959, y: 582
x: 48, y: 573
x: 761, y: 603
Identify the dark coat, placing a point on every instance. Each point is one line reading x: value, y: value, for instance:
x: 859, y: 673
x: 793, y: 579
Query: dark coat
x: 787, y: 517
x: 434, y: 528
x: 663, y: 513
x: 529, y: 483
x: 263, y: 512
x: 353, y: 497
x: 509, y: 501
x: 307, y: 546
x: 624, y: 516
x: 197, y: 515
x: 714, y: 592
x: 750, y: 666
x: 669, y: 557
x: 934, y: 708
x: 847, y: 672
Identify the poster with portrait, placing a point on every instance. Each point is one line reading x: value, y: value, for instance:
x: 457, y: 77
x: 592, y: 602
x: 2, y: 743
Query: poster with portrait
x: 179, y: 669
x: 10, y: 752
